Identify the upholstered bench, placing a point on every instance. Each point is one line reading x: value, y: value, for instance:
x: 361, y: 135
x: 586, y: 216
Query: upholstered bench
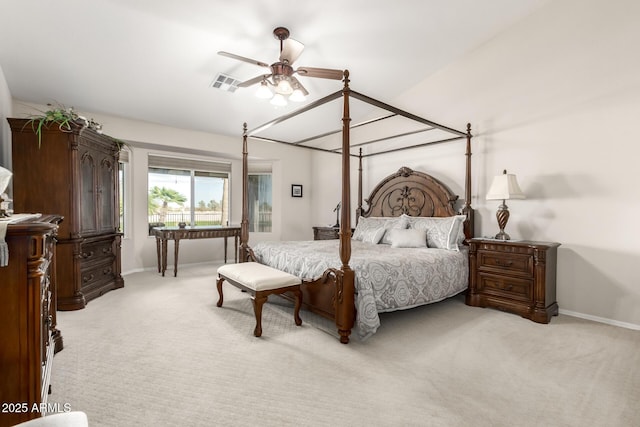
x: 260, y: 281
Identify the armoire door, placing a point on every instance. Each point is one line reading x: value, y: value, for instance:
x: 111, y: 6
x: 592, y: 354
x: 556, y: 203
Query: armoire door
x: 88, y: 193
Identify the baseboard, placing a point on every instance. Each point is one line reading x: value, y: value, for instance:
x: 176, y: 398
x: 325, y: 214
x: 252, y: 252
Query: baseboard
x: 601, y: 320
x: 135, y: 270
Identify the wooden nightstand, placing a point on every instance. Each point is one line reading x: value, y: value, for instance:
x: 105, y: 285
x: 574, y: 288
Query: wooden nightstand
x: 516, y: 276
x: 327, y: 233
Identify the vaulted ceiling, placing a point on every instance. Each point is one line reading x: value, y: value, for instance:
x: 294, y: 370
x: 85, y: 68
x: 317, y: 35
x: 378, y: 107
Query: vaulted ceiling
x: 156, y: 60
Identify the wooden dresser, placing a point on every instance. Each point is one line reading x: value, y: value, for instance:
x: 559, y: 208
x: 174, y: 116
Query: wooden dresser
x: 515, y: 276
x: 73, y: 173
x: 28, y: 318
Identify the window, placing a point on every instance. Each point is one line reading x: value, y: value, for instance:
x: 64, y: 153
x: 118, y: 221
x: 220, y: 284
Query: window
x: 123, y: 177
x: 259, y: 202
x: 195, y: 192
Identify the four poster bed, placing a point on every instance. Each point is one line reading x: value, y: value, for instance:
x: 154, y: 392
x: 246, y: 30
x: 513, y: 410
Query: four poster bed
x: 407, y: 249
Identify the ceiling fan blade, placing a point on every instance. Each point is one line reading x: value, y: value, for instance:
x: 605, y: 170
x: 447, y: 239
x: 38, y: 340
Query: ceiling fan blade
x: 298, y: 85
x: 323, y: 73
x: 291, y: 50
x: 254, y: 80
x: 243, y: 59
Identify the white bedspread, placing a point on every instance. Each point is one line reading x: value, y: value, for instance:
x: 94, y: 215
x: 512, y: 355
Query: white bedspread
x: 387, y: 278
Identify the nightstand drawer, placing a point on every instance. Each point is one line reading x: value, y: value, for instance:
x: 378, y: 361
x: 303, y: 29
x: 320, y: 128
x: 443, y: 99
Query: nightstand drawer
x: 516, y: 263
x: 504, y: 286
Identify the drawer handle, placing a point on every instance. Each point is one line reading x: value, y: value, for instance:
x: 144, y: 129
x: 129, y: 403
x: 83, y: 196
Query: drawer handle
x: 504, y: 263
x: 508, y: 287
x: 88, y: 278
x: 86, y: 255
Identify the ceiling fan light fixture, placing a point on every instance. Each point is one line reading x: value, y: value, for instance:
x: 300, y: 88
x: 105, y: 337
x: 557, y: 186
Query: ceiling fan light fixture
x: 278, y: 100
x: 284, y: 87
x: 297, y: 96
x: 263, y: 91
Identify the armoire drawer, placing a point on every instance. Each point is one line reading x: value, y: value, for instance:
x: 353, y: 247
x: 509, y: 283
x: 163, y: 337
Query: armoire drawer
x: 96, y: 251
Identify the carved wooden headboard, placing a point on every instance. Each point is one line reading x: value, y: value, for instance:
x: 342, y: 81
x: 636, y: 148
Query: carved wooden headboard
x: 415, y: 194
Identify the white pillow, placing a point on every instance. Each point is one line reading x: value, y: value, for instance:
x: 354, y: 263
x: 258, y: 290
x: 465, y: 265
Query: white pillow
x: 442, y: 232
x: 407, y: 238
x: 398, y: 223
x: 365, y: 225
x: 373, y: 235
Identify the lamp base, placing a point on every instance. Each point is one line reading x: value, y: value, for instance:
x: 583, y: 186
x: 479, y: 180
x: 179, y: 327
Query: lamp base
x: 503, y: 217
x: 502, y: 236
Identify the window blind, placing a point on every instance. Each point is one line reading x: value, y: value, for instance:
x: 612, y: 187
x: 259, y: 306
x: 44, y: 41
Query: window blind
x: 259, y: 167
x: 163, y: 162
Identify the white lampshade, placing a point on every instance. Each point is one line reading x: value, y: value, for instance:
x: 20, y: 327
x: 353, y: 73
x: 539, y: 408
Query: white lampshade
x: 263, y: 91
x: 278, y: 100
x: 284, y: 87
x: 5, y: 177
x: 505, y: 187
x: 297, y: 96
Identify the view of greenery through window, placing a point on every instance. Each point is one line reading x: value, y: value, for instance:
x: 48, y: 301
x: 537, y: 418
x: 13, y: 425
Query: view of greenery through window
x: 189, y: 196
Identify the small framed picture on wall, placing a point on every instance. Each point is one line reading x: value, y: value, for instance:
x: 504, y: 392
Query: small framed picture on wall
x: 296, y: 190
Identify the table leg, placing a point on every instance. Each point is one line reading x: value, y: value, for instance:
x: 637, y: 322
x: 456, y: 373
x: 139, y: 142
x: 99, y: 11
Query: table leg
x: 235, y: 251
x: 175, y: 257
x: 225, y: 249
x: 159, y: 254
x: 164, y: 255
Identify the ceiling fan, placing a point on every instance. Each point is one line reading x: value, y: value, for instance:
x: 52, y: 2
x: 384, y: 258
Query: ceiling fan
x: 281, y: 77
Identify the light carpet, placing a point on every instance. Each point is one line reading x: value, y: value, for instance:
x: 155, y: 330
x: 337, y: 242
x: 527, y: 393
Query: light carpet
x: 160, y: 353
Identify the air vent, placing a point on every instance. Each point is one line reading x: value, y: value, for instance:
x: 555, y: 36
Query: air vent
x: 226, y: 83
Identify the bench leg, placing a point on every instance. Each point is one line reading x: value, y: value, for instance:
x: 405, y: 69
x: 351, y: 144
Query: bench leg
x: 257, y: 309
x: 298, y: 304
x: 219, y: 286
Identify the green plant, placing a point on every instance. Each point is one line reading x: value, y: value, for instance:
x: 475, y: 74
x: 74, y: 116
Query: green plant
x: 61, y: 116
x: 64, y: 117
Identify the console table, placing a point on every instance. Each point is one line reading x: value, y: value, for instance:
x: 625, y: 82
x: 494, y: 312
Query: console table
x: 164, y: 234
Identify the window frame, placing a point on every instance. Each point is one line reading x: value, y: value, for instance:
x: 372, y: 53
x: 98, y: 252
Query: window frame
x: 196, y: 168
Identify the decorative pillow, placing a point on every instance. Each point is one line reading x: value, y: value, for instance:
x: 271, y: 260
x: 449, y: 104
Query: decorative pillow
x: 398, y: 223
x: 365, y: 225
x: 373, y: 235
x: 407, y: 238
x: 442, y: 232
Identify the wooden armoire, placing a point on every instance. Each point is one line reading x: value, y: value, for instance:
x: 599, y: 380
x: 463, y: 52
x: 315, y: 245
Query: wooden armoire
x: 75, y: 174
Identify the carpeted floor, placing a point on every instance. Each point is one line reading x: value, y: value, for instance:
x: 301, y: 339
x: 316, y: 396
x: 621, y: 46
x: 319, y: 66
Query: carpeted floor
x: 160, y: 353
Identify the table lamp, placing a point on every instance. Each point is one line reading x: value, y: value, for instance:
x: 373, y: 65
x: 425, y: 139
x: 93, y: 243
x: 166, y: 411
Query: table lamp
x: 504, y: 187
x: 5, y: 177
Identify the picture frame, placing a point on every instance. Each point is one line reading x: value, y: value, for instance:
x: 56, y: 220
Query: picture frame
x: 296, y: 190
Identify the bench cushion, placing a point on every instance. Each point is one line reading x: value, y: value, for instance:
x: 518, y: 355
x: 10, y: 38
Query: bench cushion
x: 258, y: 277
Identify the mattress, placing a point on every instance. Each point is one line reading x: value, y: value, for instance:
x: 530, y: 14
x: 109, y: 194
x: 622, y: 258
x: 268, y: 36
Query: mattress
x: 386, y: 278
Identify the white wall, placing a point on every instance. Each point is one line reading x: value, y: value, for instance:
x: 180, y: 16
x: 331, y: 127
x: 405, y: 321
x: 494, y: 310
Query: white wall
x: 555, y: 100
x: 290, y: 166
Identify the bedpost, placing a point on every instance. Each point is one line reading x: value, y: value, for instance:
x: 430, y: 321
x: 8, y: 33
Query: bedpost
x: 359, y: 210
x: 345, y: 289
x: 244, y: 224
x: 466, y: 209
